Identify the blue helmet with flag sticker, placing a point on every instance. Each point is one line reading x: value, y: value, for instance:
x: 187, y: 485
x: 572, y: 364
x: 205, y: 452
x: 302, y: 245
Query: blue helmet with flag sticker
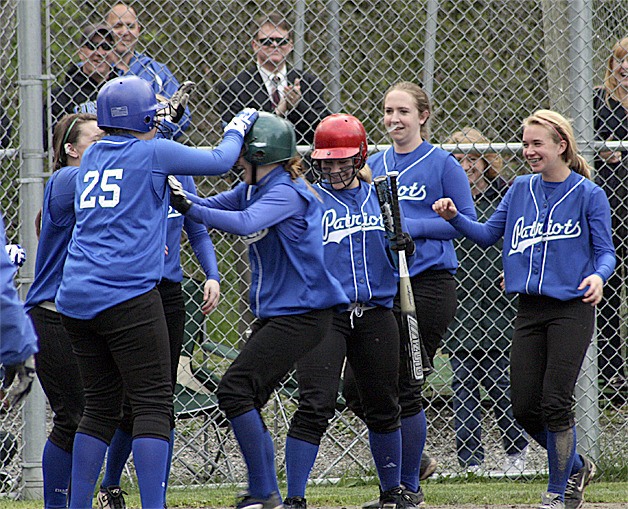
x: 128, y: 103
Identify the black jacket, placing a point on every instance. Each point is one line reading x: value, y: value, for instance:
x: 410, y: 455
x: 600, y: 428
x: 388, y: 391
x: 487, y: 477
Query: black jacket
x: 247, y: 90
x: 77, y: 94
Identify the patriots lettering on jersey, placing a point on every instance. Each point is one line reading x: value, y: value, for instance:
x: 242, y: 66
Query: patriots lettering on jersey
x: 335, y: 228
x: 525, y: 236
x: 254, y: 237
x: 412, y: 193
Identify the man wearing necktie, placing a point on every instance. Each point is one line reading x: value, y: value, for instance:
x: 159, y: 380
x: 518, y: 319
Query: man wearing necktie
x: 270, y: 85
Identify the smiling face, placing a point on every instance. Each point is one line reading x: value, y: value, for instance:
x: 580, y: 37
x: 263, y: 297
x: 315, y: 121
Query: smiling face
x: 94, y: 55
x: 123, y: 22
x: 474, y: 166
x: 541, y: 151
x: 619, y: 65
x: 339, y: 173
x: 271, y: 46
x: 403, y: 120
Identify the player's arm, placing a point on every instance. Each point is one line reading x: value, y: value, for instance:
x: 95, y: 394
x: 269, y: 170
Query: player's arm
x: 276, y: 205
x: 456, y: 187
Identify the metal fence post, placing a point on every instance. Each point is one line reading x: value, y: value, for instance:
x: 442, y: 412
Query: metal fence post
x: 587, y: 391
x: 31, y: 196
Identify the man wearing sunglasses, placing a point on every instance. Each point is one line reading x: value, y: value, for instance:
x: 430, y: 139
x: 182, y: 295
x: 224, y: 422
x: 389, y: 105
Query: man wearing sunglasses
x: 78, y: 92
x: 271, y: 85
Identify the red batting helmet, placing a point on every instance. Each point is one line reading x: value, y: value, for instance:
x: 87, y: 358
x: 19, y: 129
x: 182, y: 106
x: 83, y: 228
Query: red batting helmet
x: 341, y: 136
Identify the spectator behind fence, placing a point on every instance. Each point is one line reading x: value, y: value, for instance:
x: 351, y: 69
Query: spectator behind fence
x: 611, y: 123
x: 480, y: 340
x: 124, y: 22
x: 270, y: 85
x: 80, y: 87
x: 558, y: 252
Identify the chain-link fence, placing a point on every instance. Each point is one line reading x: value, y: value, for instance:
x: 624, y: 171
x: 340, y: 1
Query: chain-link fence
x: 485, y: 64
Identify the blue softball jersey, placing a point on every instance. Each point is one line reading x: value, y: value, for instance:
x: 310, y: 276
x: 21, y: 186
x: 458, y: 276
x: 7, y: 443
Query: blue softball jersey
x: 117, y: 247
x: 427, y: 174
x: 57, y: 223
x: 18, y: 340
x: 552, y: 240
x: 280, y: 220
x: 355, y: 244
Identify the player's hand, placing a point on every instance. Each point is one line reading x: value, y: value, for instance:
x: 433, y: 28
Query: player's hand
x: 179, y: 101
x: 178, y: 200
x: 25, y: 374
x: 243, y: 121
x: 403, y: 242
x: 595, y: 292
x: 16, y: 254
x: 445, y: 208
x: 211, y: 296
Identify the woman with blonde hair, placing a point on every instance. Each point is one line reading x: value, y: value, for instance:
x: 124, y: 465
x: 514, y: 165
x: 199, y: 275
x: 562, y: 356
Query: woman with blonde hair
x: 611, y: 123
x: 551, y: 215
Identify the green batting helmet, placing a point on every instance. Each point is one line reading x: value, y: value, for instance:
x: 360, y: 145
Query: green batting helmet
x: 270, y: 140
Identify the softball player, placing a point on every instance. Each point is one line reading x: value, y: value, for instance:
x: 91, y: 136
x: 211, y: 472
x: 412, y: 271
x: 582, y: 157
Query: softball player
x: 72, y: 135
x: 356, y: 254
x: 108, y: 298
x: 292, y: 294
x: 553, y: 215
x: 426, y: 173
x: 173, y: 302
x: 18, y: 341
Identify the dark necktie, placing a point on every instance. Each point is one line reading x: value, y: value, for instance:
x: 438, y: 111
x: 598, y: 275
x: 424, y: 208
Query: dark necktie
x: 275, y: 80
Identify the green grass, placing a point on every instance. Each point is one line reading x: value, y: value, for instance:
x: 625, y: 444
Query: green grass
x: 348, y: 495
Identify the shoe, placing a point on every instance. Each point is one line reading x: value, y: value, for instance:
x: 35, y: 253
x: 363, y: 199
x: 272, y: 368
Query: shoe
x: 515, y: 464
x: 249, y: 502
x: 477, y: 470
x: 111, y: 498
x: 427, y: 468
x: 397, y: 498
x: 417, y: 498
x: 295, y: 503
x: 577, y: 483
x: 551, y: 501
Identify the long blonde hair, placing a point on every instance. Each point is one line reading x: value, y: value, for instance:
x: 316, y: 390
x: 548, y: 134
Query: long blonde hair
x: 560, y: 130
x: 612, y: 89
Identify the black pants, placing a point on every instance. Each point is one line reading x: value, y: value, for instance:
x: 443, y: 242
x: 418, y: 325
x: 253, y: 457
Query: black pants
x: 435, y: 300
x: 174, y: 308
x: 549, y: 343
x: 58, y: 372
x: 125, y: 350
x: 371, y: 345
x: 270, y: 353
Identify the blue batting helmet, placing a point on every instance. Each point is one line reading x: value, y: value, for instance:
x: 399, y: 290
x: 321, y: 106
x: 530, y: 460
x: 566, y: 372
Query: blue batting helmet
x: 127, y: 103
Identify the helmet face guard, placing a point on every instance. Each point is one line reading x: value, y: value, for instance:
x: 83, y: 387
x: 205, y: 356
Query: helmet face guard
x: 339, y: 136
x: 271, y: 140
x: 127, y: 103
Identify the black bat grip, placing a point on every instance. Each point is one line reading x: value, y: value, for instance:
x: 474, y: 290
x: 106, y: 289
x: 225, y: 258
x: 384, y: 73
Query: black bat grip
x: 395, y: 203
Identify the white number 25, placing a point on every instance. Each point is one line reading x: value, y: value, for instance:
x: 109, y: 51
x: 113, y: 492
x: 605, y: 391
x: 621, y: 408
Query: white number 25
x: 93, y: 179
